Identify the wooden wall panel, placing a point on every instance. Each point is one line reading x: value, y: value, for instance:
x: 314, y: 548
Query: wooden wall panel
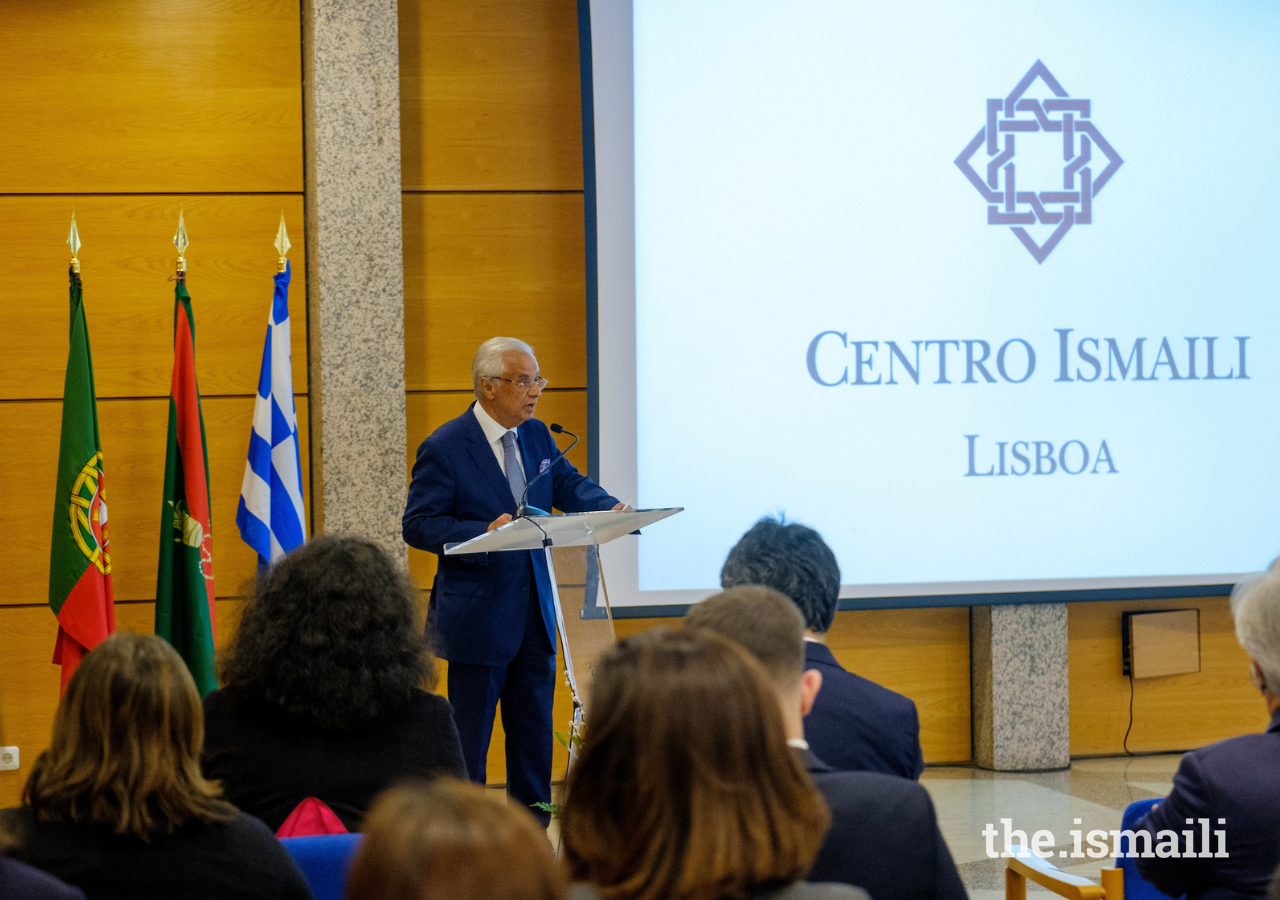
x: 921, y: 653
x: 155, y: 95
x: 1176, y: 712
x: 477, y: 266
x: 489, y: 95
x: 127, y: 256
x: 133, y: 440
x: 29, y: 681
x: 427, y: 412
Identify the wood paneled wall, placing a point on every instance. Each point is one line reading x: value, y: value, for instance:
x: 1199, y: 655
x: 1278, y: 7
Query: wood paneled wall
x: 921, y: 653
x: 1175, y: 712
x: 125, y: 111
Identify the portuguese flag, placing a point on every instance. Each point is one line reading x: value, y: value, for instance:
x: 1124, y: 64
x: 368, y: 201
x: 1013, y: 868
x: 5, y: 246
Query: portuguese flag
x: 184, y: 584
x: 79, y: 561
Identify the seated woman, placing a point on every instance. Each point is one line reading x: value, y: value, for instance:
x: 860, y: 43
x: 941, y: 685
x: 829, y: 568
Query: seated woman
x: 117, y: 806
x: 686, y: 788
x: 1231, y: 787
x: 323, y: 689
x: 449, y: 840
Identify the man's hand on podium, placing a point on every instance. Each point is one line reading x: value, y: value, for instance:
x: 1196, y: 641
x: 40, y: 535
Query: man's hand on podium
x: 622, y: 507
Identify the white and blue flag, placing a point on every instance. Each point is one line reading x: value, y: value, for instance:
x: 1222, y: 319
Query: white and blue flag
x: 271, y: 516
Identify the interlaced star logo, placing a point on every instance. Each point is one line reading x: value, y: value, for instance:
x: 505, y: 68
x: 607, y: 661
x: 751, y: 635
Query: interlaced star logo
x: 1073, y: 204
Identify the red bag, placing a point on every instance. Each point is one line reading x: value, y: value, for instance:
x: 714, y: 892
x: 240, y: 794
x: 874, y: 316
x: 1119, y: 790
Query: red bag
x: 309, y: 817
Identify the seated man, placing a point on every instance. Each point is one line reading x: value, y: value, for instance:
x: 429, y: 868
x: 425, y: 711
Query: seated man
x: 1231, y: 788
x: 884, y: 835
x: 856, y: 724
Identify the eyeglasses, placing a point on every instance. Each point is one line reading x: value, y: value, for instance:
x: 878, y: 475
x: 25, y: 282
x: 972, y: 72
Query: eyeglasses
x: 524, y: 384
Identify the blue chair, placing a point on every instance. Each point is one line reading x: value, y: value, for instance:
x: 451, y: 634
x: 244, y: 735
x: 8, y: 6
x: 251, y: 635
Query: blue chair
x: 1135, y: 888
x: 324, y: 860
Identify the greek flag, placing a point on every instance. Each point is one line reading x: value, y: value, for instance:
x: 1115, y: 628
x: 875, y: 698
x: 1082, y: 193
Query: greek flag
x: 270, y: 516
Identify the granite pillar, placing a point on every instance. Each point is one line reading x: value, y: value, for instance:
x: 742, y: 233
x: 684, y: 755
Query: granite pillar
x: 1019, y: 678
x: 355, y: 276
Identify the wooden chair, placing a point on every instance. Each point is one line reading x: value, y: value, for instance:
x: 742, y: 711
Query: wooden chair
x: 1026, y: 865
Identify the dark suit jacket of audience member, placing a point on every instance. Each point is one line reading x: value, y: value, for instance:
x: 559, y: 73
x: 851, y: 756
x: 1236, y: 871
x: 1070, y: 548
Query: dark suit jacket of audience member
x: 1238, y: 780
x: 19, y: 881
x: 268, y: 764
x: 236, y: 860
x: 858, y: 726
x: 799, y: 891
x: 883, y: 837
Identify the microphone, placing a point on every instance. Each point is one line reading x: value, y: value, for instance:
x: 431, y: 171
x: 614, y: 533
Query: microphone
x: 524, y: 509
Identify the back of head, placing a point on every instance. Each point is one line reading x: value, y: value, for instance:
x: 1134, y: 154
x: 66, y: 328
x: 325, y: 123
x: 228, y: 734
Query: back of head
x: 331, y: 636
x: 1255, y: 606
x: 448, y: 840
x: 763, y: 621
x: 125, y: 750
x: 791, y: 559
x: 685, y: 788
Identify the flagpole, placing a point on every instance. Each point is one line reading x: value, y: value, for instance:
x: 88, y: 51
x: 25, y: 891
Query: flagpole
x: 73, y: 241
x: 180, y: 241
x: 282, y: 244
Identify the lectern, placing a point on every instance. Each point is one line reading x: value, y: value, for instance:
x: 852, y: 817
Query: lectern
x: 563, y: 530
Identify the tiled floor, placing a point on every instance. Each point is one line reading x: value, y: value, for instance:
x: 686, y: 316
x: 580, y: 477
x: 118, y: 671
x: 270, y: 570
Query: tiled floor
x: 1095, y: 791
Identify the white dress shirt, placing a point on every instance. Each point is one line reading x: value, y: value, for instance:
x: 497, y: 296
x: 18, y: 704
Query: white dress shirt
x: 493, y: 433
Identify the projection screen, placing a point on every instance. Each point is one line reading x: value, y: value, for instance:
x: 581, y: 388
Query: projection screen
x: 985, y: 293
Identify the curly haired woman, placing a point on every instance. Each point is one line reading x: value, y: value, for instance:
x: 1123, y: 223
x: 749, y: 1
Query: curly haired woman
x: 325, y: 689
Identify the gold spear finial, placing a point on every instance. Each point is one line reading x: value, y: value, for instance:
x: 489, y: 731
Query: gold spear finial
x: 180, y: 241
x: 282, y: 243
x: 73, y: 241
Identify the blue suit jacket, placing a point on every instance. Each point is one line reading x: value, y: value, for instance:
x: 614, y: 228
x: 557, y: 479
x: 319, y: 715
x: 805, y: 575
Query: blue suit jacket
x: 479, y: 602
x: 857, y: 725
x: 1238, y: 780
x: 883, y: 837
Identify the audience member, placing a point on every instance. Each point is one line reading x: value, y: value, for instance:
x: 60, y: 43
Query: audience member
x: 19, y: 881
x: 884, y: 835
x: 855, y: 724
x: 685, y: 788
x: 322, y: 691
x: 117, y: 805
x: 1231, y: 787
x: 448, y: 840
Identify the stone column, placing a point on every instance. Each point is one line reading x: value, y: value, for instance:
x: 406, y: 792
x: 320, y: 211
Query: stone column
x: 355, y: 276
x: 1019, y: 676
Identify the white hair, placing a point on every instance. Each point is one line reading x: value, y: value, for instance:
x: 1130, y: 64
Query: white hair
x: 1255, y: 605
x: 488, y: 362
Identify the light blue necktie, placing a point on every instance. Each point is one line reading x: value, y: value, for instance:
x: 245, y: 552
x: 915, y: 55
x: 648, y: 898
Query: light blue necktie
x: 510, y: 462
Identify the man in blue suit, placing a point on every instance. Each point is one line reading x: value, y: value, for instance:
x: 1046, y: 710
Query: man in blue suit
x: 491, y: 613
x: 855, y: 724
x: 1217, y: 835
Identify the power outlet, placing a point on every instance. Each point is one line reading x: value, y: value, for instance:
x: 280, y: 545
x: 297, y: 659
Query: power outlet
x: 8, y: 758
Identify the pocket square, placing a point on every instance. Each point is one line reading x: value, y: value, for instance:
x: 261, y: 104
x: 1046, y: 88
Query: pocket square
x: 543, y: 466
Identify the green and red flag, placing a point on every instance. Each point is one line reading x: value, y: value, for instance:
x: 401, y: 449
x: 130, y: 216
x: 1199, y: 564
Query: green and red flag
x: 79, y: 560
x: 184, y: 584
